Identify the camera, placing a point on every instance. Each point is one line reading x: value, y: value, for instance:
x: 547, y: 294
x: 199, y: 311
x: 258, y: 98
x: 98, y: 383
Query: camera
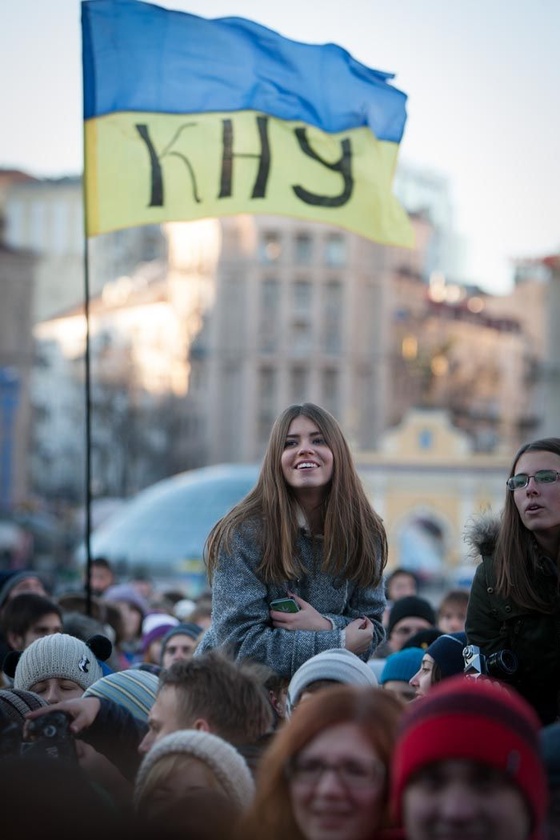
x: 45, y: 737
x: 501, y: 664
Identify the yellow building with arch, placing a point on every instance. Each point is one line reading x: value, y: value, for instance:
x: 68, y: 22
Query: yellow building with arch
x: 427, y: 483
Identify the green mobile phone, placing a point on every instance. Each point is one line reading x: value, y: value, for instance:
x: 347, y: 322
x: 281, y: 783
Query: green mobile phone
x: 284, y: 605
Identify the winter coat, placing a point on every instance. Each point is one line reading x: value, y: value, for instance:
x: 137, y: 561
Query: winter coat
x: 116, y: 733
x: 240, y: 606
x: 495, y: 623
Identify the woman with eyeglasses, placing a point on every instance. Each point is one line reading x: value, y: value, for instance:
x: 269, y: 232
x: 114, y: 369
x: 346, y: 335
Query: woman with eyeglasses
x: 326, y: 773
x: 515, y: 597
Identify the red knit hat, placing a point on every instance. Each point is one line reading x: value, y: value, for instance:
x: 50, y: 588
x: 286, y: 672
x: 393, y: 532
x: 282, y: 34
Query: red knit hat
x: 476, y: 720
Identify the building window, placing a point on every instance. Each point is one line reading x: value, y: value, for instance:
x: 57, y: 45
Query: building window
x: 425, y: 439
x: 332, y: 318
x: 299, y: 384
x: 303, y: 249
x: 269, y: 322
x: 301, y: 342
x: 335, y: 250
x: 301, y: 296
x: 301, y: 334
x: 270, y: 247
x: 331, y: 390
x: 267, y: 403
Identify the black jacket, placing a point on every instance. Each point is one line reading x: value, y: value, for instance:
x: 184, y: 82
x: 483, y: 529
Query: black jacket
x: 496, y: 623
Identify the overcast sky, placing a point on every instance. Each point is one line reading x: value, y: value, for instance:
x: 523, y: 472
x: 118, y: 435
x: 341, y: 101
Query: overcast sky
x: 482, y: 79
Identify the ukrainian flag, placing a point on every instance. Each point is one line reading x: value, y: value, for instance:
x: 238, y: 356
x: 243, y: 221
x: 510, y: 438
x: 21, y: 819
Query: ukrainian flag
x: 187, y: 118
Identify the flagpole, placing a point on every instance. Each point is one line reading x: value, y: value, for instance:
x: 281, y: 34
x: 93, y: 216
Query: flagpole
x: 87, y: 399
x: 87, y: 395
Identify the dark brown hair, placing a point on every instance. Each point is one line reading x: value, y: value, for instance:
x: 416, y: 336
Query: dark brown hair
x: 517, y: 554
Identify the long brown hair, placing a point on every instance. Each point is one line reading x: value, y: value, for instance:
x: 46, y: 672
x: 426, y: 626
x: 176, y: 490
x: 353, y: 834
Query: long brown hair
x: 375, y: 711
x: 354, y: 535
x: 517, y: 554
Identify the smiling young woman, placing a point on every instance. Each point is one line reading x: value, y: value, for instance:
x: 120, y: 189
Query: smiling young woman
x: 306, y: 532
x: 515, y: 597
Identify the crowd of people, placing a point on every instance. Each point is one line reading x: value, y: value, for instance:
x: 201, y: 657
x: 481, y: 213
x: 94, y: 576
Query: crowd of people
x: 308, y: 692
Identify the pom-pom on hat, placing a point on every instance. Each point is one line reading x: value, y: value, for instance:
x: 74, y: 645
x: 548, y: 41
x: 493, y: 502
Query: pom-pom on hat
x: 447, y: 653
x: 408, y: 607
x: 132, y: 688
x: 401, y: 665
x: 16, y: 703
x: 462, y: 718
x: 227, y: 764
x: 58, y: 656
x: 339, y: 665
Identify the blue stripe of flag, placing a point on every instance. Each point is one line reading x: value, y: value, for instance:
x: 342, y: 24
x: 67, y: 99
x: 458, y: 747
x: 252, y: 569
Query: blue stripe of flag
x: 141, y: 57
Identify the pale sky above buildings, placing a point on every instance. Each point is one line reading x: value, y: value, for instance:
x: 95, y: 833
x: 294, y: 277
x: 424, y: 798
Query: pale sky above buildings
x: 482, y: 79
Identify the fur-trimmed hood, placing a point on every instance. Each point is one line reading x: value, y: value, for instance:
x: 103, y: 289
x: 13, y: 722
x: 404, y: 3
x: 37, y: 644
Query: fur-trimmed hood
x: 481, y: 533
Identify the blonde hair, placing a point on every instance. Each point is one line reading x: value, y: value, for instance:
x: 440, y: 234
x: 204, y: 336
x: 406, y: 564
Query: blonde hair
x: 171, y: 765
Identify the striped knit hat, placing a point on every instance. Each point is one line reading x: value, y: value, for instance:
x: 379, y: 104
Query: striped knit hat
x: 462, y: 718
x: 132, y: 688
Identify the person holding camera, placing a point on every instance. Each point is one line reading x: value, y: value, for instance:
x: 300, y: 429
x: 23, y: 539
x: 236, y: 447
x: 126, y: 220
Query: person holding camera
x: 514, y: 604
x: 306, y: 531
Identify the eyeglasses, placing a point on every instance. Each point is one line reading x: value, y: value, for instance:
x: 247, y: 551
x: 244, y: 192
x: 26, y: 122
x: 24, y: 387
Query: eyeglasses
x: 517, y: 482
x: 351, y: 774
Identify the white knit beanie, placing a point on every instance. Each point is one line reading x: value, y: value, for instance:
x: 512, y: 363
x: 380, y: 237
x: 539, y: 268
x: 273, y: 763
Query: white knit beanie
x: 57, y: 656
x: 227, y: 764
x: 339, y: 665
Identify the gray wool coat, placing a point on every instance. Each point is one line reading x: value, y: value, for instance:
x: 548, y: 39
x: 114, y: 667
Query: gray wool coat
x: 240, y: 612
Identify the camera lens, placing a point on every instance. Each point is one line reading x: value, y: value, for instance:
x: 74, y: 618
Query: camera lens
x: 502, y: 662
x: 49, y: 731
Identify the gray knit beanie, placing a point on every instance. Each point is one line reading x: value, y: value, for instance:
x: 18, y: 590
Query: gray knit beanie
x: 339, y: 665
x: 227, y: 764
x: 61, y: 656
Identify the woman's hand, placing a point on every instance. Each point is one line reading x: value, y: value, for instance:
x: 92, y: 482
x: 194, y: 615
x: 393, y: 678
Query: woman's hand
x: 359, y: 635
x: 82, y: 710
x: 306, y: 619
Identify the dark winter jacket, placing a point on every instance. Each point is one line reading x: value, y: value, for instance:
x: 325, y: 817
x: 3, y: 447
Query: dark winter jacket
x: 117, y: 734
x: 495, y: 623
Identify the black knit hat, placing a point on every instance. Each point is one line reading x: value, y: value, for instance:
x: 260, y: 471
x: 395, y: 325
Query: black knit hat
x: 423, y: 639
x: 410, y: 606
x: 447, y: 653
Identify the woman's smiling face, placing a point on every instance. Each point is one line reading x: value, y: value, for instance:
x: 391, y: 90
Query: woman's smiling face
x: 307, y: 461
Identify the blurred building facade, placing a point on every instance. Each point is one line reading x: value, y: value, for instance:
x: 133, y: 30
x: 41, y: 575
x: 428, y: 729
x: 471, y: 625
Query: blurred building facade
x: 201, y: 333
